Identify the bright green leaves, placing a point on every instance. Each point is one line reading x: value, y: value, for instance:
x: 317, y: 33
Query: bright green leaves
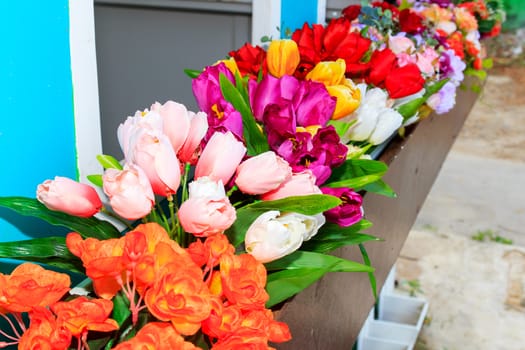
x: 256, y: 142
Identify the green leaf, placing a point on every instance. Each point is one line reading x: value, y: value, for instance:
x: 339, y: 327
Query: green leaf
x: 96, y: 180
x: 302, y: 259
x: 307, y: 205
x: 380, y: 187
x: 284, y: 284
x: 256, y: 142
x: 49, y: 250
x: 245, y: 217
x: 356, y: 173
x: 303, y: 269
x: 408, y: 109
x: 192, y: 73
x: 120, y: 308
x: 341, y: 127
x: 480, y: 74
x: 86, y: 227
x: 371, y: 276
x: 487, y: 63
x: 108, y: 162
x: 331, y: 236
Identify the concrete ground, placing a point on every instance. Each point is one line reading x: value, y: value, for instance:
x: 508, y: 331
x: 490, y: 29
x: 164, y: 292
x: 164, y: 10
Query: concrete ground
x: 466, y: 252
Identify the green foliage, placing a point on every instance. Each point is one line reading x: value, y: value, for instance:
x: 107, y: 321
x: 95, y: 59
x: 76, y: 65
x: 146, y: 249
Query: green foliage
x: 256, y: 142
x: 96, y: 180
x: 490, y: 235
x: 108, y: 162
x: 192, y: 73
x: 358, y: 173
x: 86, y: 227
x: 300, y: 269
x: 48, y: 250
x: 409, y: 109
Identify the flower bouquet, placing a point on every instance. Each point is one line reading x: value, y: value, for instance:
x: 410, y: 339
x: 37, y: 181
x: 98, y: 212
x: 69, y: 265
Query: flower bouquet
x: 214, y: 218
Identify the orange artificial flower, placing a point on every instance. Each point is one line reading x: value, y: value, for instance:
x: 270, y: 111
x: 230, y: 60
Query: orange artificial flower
x: 465, y: 20
x: 223, y: 321
x: 435, y: 13
x: 179, y: 295
x: 198, y: 252
x: 157, y: 336
x: 262, y: 320
x: 102, y: 260
x: 282, y: 57
x: 218, y: 245
x: 30, y: 286
x: 455, y: 42
x: 82, y: 314
x: 243, y: 281
x: 244, y: 339
x: 44, y: 332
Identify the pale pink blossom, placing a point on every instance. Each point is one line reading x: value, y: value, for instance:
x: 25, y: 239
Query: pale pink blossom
x: 262, y: 173
x: 190, y: 150
x: 152, y: 151
x: 428, y: 61
x: 274, y: 235
x: 208, y: 210
x: 400, y: 44
x: 68, y: 196
x: 175, y: 122
x: 299, y: 184
x: 129, y: 191
x: 141, y: 120
x: 221, y: 156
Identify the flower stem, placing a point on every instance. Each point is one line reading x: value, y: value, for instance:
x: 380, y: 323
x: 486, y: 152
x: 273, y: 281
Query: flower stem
x: 12, y: 327
x: 231, y: 190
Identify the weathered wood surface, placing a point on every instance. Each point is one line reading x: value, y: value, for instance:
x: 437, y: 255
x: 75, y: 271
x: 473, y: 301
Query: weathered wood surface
x: 329, y: 314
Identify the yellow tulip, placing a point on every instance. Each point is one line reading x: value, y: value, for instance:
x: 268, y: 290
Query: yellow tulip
x: 348, y: 98
x: 231, y: 65
x: 328, y: 72
x: 282, y: 57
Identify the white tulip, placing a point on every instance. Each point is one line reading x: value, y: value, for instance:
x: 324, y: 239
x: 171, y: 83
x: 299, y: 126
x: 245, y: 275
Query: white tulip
x: 272, y: 236
x: 388, y: 122
x: 205, y: 187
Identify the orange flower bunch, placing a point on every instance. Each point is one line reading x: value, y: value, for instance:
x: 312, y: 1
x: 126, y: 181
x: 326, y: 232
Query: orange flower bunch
x: 37, y: 291
x: 174, y: 292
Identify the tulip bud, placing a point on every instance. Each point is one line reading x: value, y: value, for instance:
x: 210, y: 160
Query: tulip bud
x: 272, y: 236
x: 282, y: 57
x: 68, y: 196
x: 328, y: 72
x: 129, y: 191
x: 262, y: 173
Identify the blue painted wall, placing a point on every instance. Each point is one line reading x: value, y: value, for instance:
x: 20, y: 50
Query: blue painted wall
x: 37, y: 139
x: 294, y: 13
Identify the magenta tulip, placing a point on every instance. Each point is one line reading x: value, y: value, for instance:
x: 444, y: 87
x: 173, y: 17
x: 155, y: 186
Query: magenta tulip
x: 349, y: 211
x: 68, y: 196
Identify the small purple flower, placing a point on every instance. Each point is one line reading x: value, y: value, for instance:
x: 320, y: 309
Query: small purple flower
x: 221, y: 114
x: 444, y: 100
x: 452, y: 66
x: 349, y: 211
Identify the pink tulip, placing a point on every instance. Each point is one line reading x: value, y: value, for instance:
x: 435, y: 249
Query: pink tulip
x: 129, y: 191
x: 208, y: 210
x: 400, y: 44
x: 220, y: 157
x: 299, y: 184
x: 175, y: 122
x: 189, y: 152
x: 141, y: 120
x: 68, y: 196
x: 262, y: 173
x: 152, y: 151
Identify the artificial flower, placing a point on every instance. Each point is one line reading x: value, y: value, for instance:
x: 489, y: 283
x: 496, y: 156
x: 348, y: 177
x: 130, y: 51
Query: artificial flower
x: 29, y: 286
x: 222, y: 116
x: 44, y: 332
x: 207, y: 210
x: 158, y: 336
x: 250, y: 60
x: 220, y: 158
x: 299, y: 184
x: 129, y: 191
x: 68, y: 196
x: 349, y: 211
x: 282, y: 57
x: 190, y: 150
x: 273, y: 235
x: 262, y: 173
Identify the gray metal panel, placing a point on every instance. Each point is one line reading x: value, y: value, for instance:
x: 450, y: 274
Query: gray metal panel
x: 142, y: 51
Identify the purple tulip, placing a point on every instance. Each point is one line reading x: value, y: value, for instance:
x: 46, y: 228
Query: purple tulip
x: 222, y: 116
x: 349, y: 211
x: 313, y: 104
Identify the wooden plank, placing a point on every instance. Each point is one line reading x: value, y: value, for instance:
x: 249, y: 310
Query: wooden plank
x: 330, y: 313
